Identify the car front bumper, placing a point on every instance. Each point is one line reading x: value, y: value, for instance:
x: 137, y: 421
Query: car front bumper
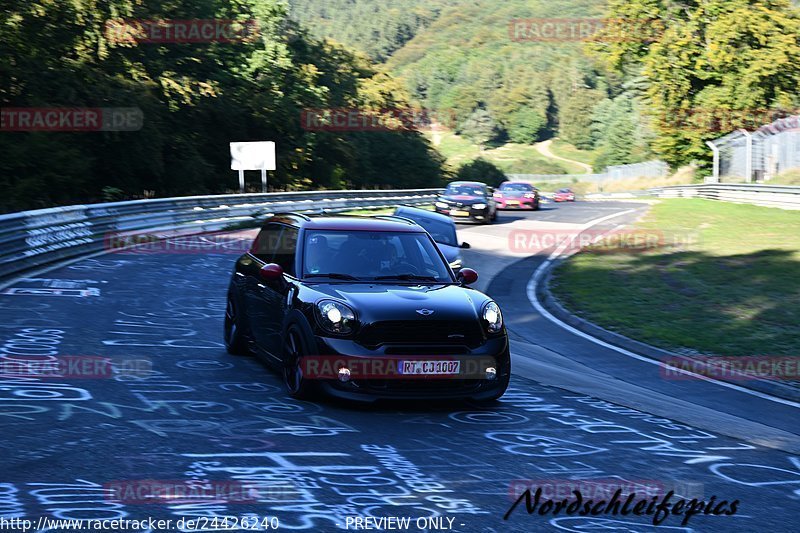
x: 469, y: 384
x: 516, y: 203
x: 465, y: 213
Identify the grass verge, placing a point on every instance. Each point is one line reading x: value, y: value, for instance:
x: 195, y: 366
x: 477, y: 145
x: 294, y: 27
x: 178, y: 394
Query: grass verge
x: 569, y: 151
x: 382, y: 210
x: 511, y: 158
x: 790, y: 177
x: 727, y: 282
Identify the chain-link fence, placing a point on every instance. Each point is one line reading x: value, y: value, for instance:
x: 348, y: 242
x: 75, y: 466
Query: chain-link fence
x: 648, y: 169
x: 759, y: 156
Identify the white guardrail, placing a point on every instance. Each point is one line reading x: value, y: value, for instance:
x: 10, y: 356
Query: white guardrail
x: 780, y: 196
x: 33, y: 239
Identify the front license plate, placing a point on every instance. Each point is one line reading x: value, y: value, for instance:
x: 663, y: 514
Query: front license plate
x: 457, y: 213
x: 430, y: 368
x: 513, y: 202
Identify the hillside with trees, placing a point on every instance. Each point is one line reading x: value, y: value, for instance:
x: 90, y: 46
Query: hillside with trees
x: 492, y: 86
x: 194, y: 99
x: 632, y: 92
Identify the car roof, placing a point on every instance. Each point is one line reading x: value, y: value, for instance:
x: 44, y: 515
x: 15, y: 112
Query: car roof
x: 405, y: 210
x: 348, y: 223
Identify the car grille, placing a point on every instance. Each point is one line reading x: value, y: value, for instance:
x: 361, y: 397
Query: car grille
x: 422, y: 333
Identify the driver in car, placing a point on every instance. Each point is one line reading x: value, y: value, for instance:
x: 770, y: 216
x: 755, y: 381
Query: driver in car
x: 318, y: 252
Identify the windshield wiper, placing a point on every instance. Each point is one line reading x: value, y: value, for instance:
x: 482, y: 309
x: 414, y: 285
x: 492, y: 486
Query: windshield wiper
x: 407, y: 277
x: 334, y: 275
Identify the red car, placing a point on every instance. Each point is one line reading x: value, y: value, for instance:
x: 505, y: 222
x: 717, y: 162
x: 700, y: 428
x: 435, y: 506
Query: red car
x: 564, y: 195
x: 517, y: 195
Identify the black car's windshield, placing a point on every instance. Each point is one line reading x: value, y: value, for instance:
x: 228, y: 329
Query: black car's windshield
x: 442, y: 231
x: 464, y: 190
x: 370, y: 256
x: 516, y: 187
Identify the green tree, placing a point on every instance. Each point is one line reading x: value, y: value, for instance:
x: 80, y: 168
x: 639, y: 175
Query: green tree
x: 575, y: 118
x: 710, y: 67
x: 479, y: 127
x: 195, y: 98
x: 615, y: 136
x: 481, y: 170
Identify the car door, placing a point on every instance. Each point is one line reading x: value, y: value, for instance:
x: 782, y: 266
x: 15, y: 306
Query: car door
x: 269, y: 299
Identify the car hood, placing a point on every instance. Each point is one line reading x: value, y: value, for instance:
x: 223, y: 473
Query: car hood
x: 463, y: 198
x: 381, y: 302
x: 514, y: 194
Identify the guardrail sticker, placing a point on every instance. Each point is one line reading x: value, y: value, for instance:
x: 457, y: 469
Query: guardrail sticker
x: 54, y: 287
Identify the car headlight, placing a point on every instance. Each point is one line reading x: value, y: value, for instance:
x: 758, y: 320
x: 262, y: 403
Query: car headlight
x: 335, y: 317
x: 478, y: 206
x: 530, y: 195
x: 442, y: 205
x: 455, y: 264
x: 492, y: 317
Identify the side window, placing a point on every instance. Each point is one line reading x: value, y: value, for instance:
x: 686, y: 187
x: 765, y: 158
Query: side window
x: 266, y: 242
x: 286, y: 249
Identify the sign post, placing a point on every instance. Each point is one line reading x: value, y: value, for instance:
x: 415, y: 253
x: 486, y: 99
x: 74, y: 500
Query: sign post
x: 259, y: 155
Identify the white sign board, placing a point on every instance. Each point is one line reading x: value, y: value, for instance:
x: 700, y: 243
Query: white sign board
x: 258, y: 155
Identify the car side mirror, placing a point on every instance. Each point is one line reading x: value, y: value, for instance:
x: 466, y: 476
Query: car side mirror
x: 467, y: 276
x: 465, y: 245
x: 271, y: 272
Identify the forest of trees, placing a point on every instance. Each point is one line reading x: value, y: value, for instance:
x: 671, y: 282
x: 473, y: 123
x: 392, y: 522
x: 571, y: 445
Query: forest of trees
x: 628, y: 95
x: 195, y: 98
x: 664, y: 77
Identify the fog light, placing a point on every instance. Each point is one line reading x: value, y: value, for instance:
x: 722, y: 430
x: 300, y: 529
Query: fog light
x: 344, y: 374
x: 491, y: 373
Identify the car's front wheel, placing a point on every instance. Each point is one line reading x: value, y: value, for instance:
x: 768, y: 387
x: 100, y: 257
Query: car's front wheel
x: 297, y: 384
x: 235, y: 342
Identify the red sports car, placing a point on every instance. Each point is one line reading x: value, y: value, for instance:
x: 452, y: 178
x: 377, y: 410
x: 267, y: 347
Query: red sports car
x: 564, y: 195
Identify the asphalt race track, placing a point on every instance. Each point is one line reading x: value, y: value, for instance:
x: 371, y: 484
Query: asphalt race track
x: 179, y: 409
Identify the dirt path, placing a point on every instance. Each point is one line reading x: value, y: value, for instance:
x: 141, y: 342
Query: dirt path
x: 544, y: 149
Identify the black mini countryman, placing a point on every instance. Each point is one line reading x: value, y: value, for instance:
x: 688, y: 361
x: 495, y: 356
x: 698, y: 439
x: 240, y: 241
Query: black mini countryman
x: 364, y: 308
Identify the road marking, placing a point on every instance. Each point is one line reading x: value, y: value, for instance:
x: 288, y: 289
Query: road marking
x: 531, y: 291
